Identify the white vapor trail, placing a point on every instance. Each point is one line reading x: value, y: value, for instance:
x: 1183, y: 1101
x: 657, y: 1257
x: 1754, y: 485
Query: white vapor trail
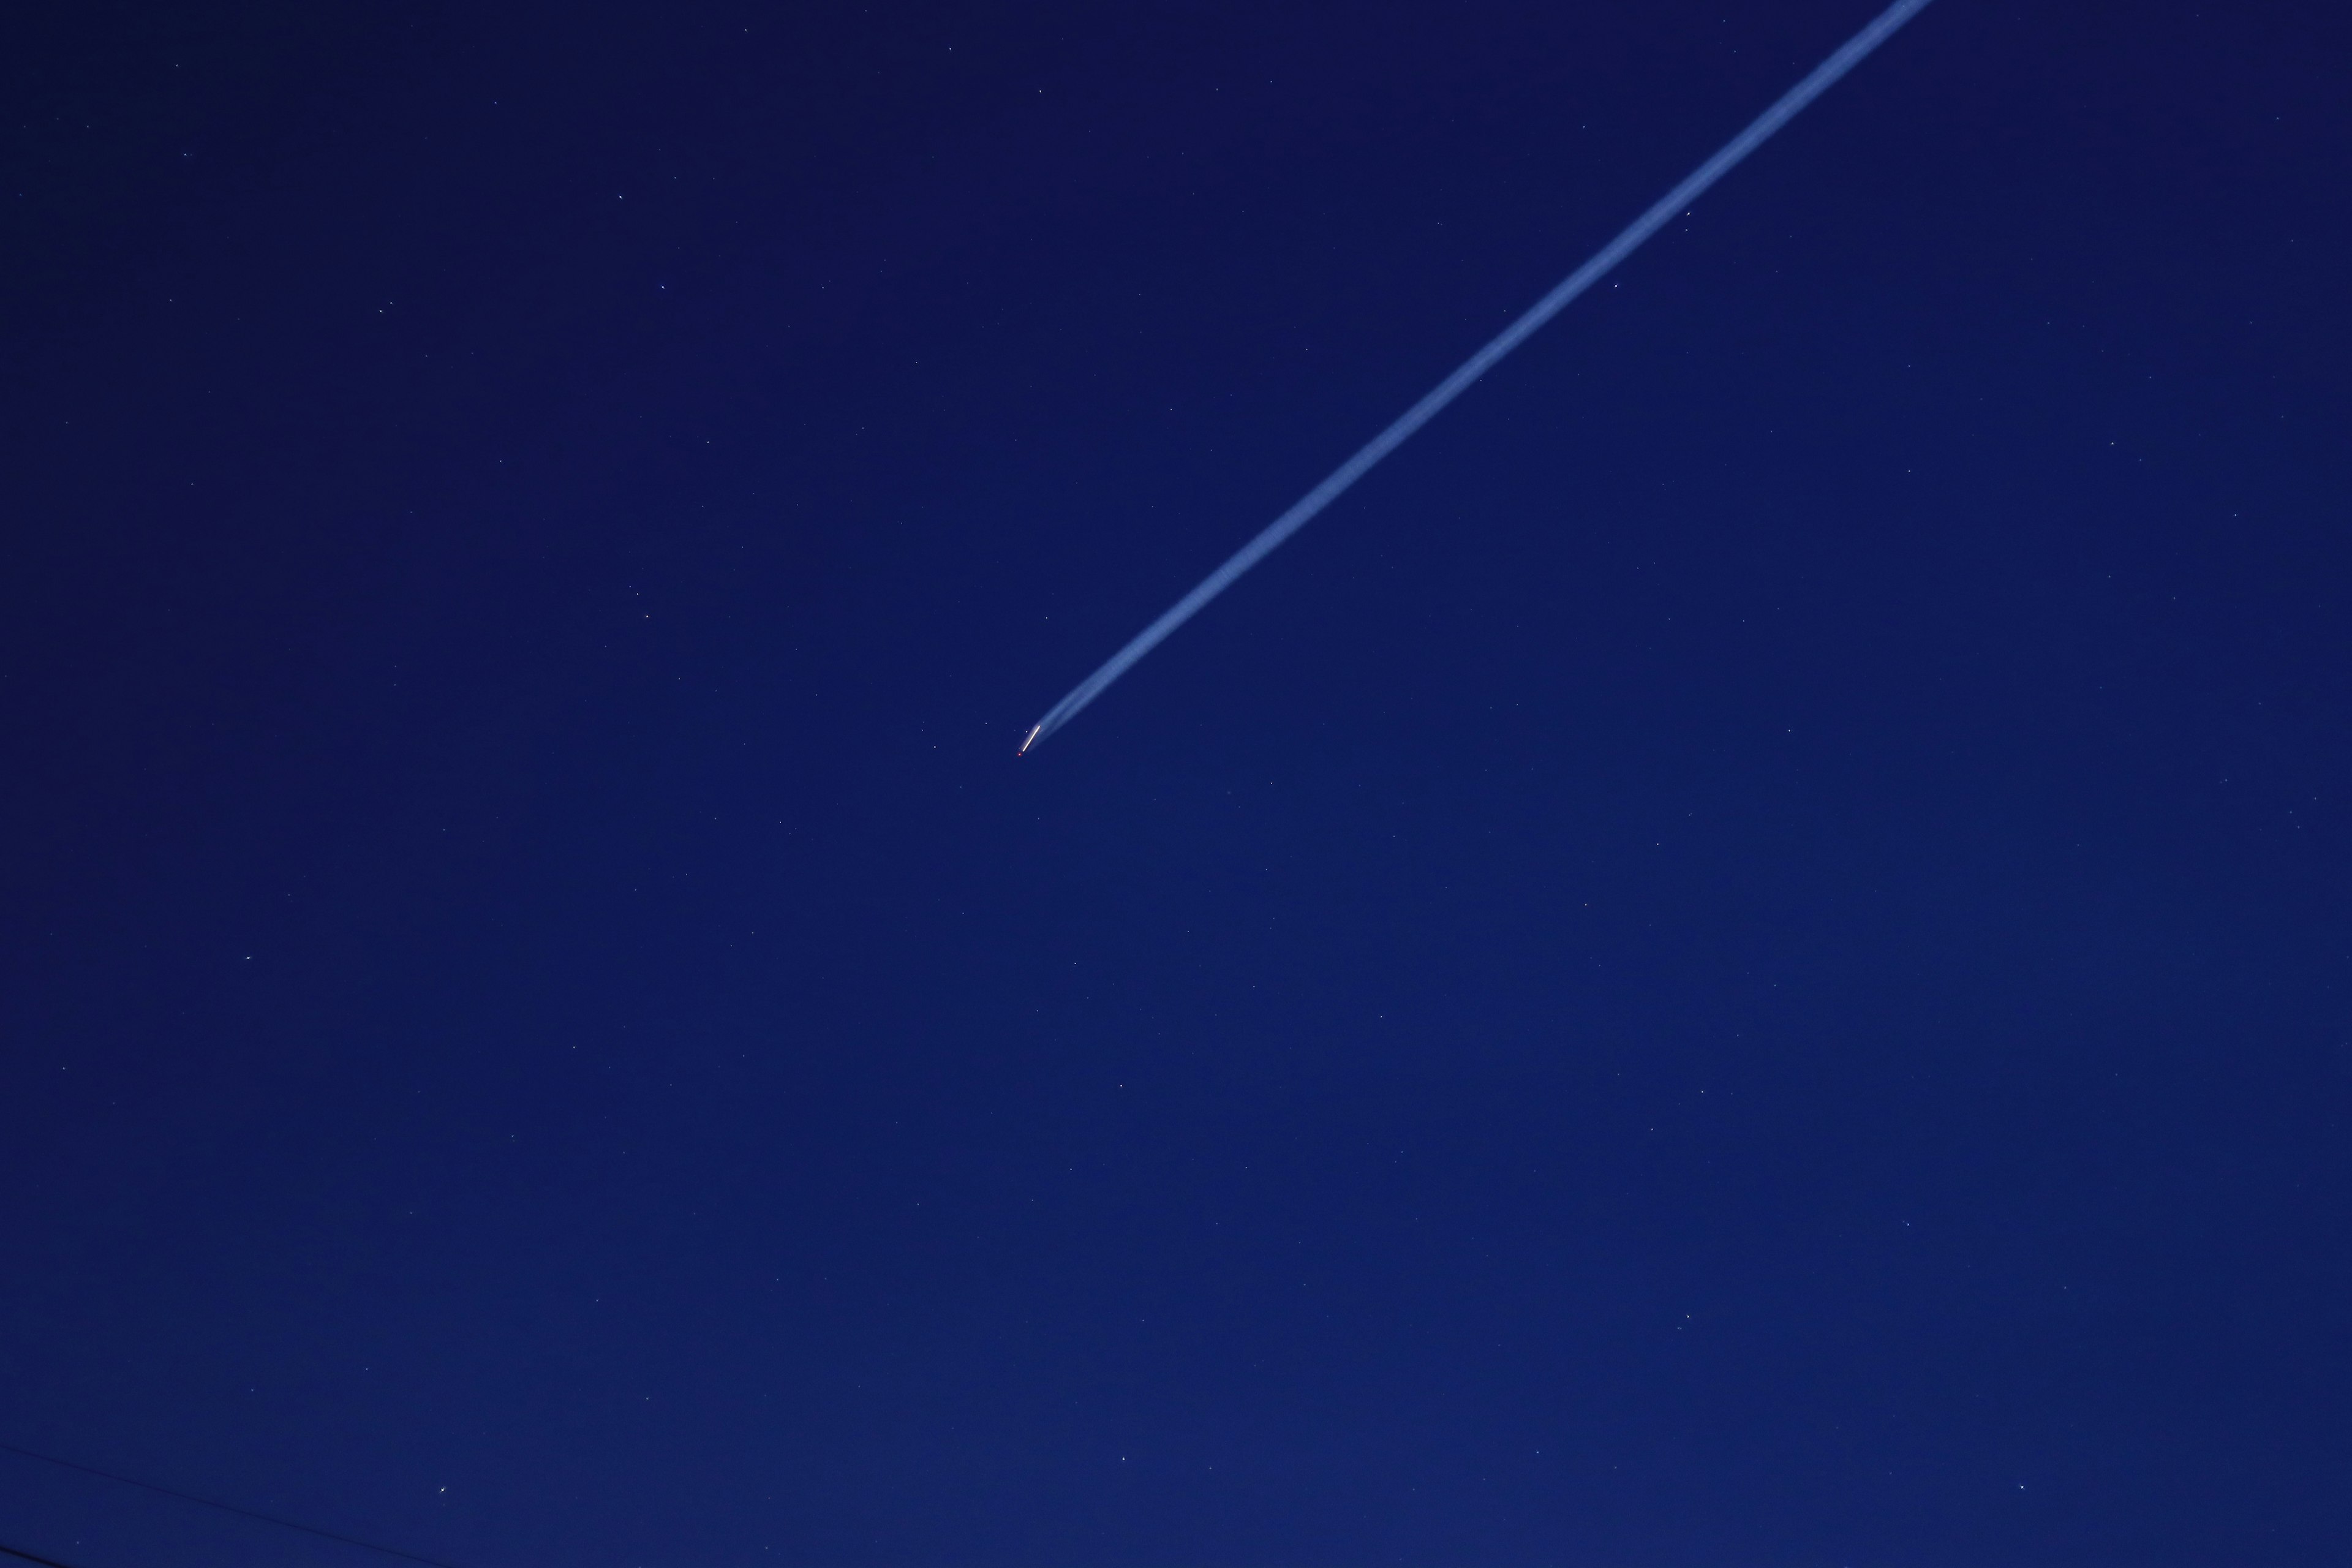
x: 1824, y: 76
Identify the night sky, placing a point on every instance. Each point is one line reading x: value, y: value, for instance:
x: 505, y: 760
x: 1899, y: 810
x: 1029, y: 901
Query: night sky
x: 1743, y: 956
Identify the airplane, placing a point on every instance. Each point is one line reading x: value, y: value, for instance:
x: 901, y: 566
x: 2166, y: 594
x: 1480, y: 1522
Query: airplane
x: 1029, y: 739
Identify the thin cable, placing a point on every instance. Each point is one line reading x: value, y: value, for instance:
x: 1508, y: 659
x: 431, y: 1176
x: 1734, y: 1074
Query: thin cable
x: 44, y: 1562
x: 1660, y: 214
x: 223, y: 1507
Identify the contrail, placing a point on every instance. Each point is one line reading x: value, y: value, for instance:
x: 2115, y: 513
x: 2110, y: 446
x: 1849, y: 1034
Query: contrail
x: 1824, y: 75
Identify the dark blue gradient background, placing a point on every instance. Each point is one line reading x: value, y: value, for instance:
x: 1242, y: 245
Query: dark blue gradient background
x: 1744, y: 956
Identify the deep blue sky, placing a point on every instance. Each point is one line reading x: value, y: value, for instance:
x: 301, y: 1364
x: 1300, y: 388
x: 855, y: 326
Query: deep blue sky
x: 1744, y: 956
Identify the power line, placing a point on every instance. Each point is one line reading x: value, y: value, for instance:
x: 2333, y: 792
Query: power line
x: 44, y: 1562
x: 211, y: 1502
